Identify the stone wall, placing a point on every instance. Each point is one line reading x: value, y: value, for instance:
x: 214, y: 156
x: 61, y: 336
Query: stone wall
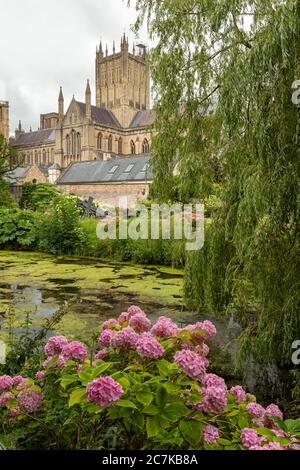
x: 109, y: 193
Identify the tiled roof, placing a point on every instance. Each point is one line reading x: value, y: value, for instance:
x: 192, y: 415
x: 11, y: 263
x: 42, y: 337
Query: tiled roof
x: 100, y: 171
x: 35, y: 138
x: 101, y: 115
x: 143, y: 119
x: 13, y: 176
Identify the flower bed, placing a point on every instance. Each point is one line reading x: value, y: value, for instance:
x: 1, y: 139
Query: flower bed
x: 147, y: 387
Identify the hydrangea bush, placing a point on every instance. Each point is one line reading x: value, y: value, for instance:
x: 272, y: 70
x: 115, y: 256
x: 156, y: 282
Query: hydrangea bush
x: 147, y: 387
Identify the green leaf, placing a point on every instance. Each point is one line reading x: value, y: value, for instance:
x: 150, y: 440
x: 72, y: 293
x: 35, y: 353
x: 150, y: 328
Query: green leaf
x: 190, y: 430
x: 266, y: 432
x: 161, y: 397
x: 175, y: 410
x: 151, y: 410
x: 67, y: 380
x: 243, y: 422
x: 292, y: 425
x: 102, y: 368
x: 145, y: 398
x: 153, y: 426
x: 77, y: 396
x: 125, y: 404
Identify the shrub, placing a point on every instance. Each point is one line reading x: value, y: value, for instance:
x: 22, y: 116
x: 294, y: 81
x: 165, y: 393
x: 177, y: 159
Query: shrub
x: 18, y: 229
x: 146, y: 388
x: 38, y: 196
x: 61, y: 232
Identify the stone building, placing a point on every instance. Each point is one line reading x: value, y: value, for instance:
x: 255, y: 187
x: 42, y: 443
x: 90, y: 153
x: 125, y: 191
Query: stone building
x: 119, y: 124
x: 110, y: 181
x: 4, y: 119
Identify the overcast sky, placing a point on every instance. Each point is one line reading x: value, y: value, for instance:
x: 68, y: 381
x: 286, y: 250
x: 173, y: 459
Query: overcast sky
x: 45, y: 44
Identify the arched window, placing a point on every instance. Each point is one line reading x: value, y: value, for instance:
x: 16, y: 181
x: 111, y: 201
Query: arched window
x: 132, y: 146
x: 78, y: 143
x: 145, y: 146
x: 73, y: 143
x: 68, y: 145
x: 44, y: 156
x: 99, y: 141
x: 110, y: 143
x: 120, y: 145
x: 36, y: 157
x: 52, y: 155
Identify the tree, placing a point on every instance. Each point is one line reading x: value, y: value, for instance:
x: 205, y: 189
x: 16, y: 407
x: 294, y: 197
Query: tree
x: 6, y: 156
x: 223, y: 75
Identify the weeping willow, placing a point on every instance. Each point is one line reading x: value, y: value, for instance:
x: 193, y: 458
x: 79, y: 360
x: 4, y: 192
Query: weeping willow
x: 222, y: 78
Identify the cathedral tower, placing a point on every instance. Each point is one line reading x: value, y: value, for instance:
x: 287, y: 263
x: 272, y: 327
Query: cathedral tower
x: 4, y: 119
x: 122, y: 81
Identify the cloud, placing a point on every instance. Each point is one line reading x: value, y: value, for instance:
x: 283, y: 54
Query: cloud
x: 47, y: 44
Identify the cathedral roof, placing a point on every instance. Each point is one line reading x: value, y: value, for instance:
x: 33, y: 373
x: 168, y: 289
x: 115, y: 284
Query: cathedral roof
x: 124, y: 169
x: 35, y: 138
x: 143, y: 119
x: 101, y: 115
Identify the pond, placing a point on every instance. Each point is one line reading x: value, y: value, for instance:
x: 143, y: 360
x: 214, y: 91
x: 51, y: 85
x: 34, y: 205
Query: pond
x: 34, y: 286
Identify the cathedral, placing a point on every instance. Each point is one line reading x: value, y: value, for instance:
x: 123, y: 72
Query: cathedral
x: 117, y: 126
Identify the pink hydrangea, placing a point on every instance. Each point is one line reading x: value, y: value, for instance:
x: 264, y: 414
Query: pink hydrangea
x: 209, y: 328
x: 250, y: 438
x: 139, y: 322
x: 124, y: 317
x: 14, y: 412
x: 54, y: 345
x: 6, y: 383
x: 133, y: 309
x: 5, y: 398
x: 214, y: 394
x: 191, y: 363
x: 75, y: 350
x: 256, y: 410
x: 19, y: 380
x: 274, y: 410
x: 125, y: 339
x: 238, y: 392
x: 40, y: 375
x: 165, y: 327
x: 60, y: 362
x: 148, y: 346
x: 213, y: 380
x: 210, y: 434
x: 105, y: 338
x: 202, y: 331
x: 110, y: 324
x: 269, y: 446
x: 104, y: 391
x: 29, y: 400
x: 101, y: 354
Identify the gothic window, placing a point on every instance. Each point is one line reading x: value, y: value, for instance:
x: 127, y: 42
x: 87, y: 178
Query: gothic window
x: 78, y: 143
x: 110, y: 143
x: 44, y: 156
x: 73, y: 143
x: 145, y: 146
x: 68, y: 144
x: 120, y: 145
x: 99, y: 141
x: 132, y: 146
x: 52, y: 155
